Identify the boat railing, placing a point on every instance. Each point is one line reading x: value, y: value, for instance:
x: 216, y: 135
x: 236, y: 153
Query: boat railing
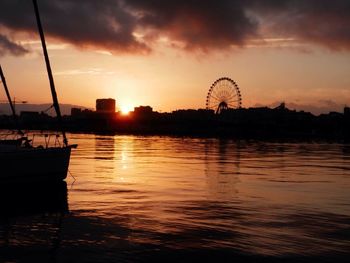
x: 10, y: 136
x: 31, y: 140
x: 45, y: 140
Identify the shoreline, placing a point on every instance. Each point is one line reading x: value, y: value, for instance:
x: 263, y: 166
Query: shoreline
x: 191, y: 135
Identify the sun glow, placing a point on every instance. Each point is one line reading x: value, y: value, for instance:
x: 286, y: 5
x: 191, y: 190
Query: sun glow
x: 125, y: 109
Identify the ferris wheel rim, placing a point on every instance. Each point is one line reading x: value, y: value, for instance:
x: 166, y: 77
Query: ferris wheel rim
x: 228, y: 93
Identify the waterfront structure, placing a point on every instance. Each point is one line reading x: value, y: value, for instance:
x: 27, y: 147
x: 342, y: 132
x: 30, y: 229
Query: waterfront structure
x: 143, y: 110
x: 105, y: 105
x: 347, y: 112
x: 75, y: 111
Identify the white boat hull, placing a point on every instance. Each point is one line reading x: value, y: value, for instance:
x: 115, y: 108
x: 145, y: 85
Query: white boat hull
x: 34, y: 164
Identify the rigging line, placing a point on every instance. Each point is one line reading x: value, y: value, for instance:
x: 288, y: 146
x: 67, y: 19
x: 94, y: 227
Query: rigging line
x: 9, y: 99
x: 71, y: 175
x: 49, y: 72
x: 71, y: 186
x: 49, y: 108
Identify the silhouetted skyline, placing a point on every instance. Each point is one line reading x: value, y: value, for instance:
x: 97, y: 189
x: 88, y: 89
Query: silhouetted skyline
x: 247, y: 123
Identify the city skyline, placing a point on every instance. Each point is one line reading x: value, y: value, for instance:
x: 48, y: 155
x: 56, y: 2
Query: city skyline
x: 142, y: 59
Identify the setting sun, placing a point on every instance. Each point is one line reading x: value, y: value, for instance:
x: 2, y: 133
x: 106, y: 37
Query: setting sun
x: 125, y: 109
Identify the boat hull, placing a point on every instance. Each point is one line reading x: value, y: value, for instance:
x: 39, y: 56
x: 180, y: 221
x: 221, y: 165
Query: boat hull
x: 34, y: 164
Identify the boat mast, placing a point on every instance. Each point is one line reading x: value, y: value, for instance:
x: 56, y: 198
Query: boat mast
x: 9, y: 99
x: 49, y: 72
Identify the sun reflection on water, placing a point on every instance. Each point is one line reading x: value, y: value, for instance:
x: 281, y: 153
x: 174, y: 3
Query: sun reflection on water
x: 197, y: 194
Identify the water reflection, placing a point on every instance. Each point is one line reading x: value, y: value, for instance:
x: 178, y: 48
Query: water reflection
x: 104, y: 147
x: 183, y: 199
x: 104, y: 155
x: 31, y: 219
x: 222, y: 160
x: 255, y: 198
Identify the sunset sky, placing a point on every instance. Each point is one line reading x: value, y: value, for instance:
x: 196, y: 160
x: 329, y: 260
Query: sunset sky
x: 167, y: 53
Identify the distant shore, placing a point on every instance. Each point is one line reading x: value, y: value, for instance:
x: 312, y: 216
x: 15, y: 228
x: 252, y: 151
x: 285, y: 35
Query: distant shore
x: 254, y: 123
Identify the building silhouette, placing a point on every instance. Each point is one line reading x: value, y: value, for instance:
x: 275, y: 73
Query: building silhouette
x: 105, y: 105
x: 246, y: 123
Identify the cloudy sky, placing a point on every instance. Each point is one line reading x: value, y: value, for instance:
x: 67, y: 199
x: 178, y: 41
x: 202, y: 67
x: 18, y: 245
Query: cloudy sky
x: 168, y: 53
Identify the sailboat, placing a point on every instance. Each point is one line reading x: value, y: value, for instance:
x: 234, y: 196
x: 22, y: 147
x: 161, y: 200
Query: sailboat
x: 19, y: 138
x: 22, y: 162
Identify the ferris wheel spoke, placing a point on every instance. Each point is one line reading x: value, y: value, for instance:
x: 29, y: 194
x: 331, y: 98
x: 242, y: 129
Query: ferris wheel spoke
x: 228, y: 94
x: 233, y: 95
x: 223, y: 91
x: 219, y: 90
x: 221, y: 95
x: 233, y: 100
x: 212, y: 102
x: 233, y: 104
x: 216, y: 93
x: 220, y: 98
x: 214, y: 107
x: 216, y: 98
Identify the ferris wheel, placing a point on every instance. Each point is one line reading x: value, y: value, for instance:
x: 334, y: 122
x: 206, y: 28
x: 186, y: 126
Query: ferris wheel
x: 223, y: 94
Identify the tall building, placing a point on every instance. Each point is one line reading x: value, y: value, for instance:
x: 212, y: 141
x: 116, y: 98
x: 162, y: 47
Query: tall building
x: 143, y: 110
x: 105, y: 105
x: 347, y: 111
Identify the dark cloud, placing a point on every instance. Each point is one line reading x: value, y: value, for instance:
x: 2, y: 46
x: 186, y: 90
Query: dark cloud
x: 7, y: 46
x: 322, y: 22
x: 198, y: 24
x: 192, y: 24
x: 101, y: 24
